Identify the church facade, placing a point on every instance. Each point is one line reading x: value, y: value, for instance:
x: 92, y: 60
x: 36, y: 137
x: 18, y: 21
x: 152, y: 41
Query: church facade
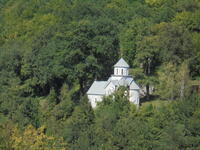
x: 121, y: 77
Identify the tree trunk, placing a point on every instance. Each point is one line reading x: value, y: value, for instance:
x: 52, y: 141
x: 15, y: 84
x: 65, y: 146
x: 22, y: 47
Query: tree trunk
x: 182, y: 89
x: 148, y: 74
x: 147, y: 91
x: 81, y: 82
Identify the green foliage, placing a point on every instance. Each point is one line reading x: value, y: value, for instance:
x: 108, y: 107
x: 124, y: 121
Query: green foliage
x: 51, y: 51
x: 78, y: 124
x: 5, y: 137
x: 135, y: 30
x: 33, y: 139
x: 175, y: 81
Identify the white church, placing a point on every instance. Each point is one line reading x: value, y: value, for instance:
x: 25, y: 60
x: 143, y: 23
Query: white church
x: 121, y: 77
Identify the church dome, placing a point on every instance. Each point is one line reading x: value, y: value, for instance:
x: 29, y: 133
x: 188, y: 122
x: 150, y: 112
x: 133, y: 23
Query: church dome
x: 122, y: 64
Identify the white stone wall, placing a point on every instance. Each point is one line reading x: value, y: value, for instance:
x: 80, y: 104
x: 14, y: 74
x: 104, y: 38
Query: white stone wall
x: 125, y: 71
x: 110, y: 88
x: 121, y: 71
x: 134, y: 97
x: 116, y: 77
x: 93, y: 99
x: 116, y: 71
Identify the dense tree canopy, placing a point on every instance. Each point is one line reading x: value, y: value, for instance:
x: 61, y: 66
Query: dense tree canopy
x: 52, y: 50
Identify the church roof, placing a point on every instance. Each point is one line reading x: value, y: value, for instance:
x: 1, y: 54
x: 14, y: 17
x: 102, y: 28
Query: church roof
x: 100, y: 87
x: 129, y: 80
x: 121, y: 63
x: 97, y: 88
x: 115, y: 82
x: 134, y: 86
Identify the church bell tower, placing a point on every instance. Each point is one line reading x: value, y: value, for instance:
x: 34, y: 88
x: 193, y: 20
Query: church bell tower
x: 121, y: 68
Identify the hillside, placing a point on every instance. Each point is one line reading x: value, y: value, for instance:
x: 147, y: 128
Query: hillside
x: 52, y: 50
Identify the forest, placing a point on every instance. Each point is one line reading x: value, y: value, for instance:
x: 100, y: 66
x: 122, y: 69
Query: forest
x: 51, y: 51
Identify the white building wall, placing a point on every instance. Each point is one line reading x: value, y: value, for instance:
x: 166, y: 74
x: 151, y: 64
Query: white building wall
x: 121, y: 71
x: 116, y: 77
x: 115, y: 71
x: 110, y: 88
x: 127, y: 71
x: 134, y: 97
x: 93, y: 99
